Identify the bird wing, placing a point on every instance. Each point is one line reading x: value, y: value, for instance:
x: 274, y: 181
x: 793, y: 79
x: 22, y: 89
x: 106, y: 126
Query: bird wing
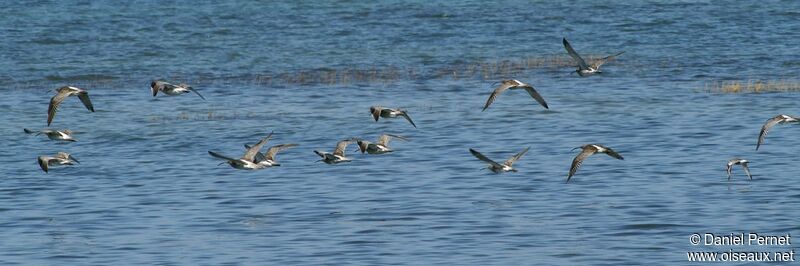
x: 54, y: 103
x: 186, y: 86
x: 765, y: 129
x: 599, y: 62
x: 217, y: 155
x: 170, y: 86
x: 385, y: 138
x: 198, y: 93
x: 72, y: 158
x: 536, y: 96
x: 362, y: 145
x: 272, y: 151
x: 582, y: 64
x: 516, y: 157
x: 484, y: 158
x: 157, y: 86
x: 497, y: 91
x: 613, y: 153
x: 43, y: 162
x: 376, y: 112
x: 405, y: 114
x: 341, y: 146
x: 250, y: 154
x: 729, y: 170
x: 586, y: 152
x: 165, y: 86
x: 259, y: 155
x: 747, y: 171
x: 84, y: 96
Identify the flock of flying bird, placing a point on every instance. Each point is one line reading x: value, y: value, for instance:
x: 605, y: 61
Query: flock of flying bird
x: 254, y: 159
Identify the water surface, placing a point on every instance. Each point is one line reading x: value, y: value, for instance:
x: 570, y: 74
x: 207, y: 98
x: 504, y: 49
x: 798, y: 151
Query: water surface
x: 146, y: 191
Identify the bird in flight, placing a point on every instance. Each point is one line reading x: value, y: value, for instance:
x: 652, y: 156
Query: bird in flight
x: 61, y: 158
x: 380, y: 147
x: 171, y: 89
x: 337, y: 156
x: 588, y: 150
x: 779, y: 119
x: 62, y: 135
x: 514, y: 84
x: 248, y: 160
x: 268, y: 158
x: 62, y: 94
x: 378, y: 112
x: 585, y: 69
x: 500, y: 167
x: 742, y: 162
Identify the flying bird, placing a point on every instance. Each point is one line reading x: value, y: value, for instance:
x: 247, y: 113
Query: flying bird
x: 62, y: 94
x: 269, y: 158
x: 588, y: 150
x: 61, y: 158
x: 779, y: 119
x: 586, y: 69
x: 735, y: 161
x: 248, y: 160
x: 514, y: 84
x: 62, y: 135
x: 378, y: 112
x: 380, y: 147
x: 171, y: 89
x: 338, y: 155
x: 500, y: 167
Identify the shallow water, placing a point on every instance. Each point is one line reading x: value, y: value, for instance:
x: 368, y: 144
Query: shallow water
x: 146, y: 191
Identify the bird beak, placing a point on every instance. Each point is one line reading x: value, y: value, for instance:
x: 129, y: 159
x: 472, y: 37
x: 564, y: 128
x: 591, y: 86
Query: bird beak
x: 220, y: 164
x: 575, y: 148
x: 74, y: 159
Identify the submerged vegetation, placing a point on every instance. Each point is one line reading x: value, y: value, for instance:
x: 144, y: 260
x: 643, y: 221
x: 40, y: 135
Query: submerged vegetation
x: 753, y: 86
x: 480, y: 69
x: 494, y: 69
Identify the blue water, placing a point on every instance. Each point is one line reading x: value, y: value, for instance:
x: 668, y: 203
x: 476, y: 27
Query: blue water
x: 146, y: 191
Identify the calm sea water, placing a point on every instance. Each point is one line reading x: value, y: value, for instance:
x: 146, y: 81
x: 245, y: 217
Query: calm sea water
x: 146, y: 191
